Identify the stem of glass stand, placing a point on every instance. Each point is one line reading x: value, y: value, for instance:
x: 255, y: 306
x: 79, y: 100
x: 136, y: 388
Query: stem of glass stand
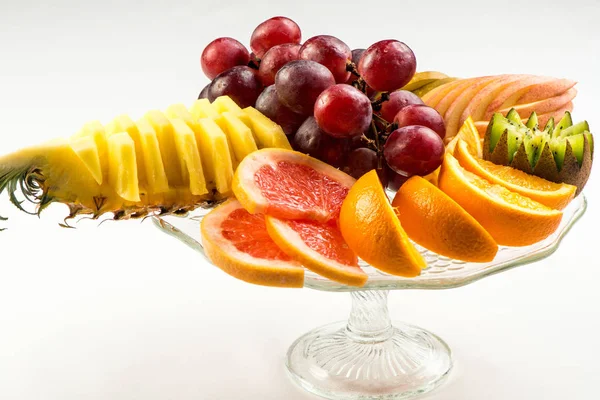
x: 369, y: 320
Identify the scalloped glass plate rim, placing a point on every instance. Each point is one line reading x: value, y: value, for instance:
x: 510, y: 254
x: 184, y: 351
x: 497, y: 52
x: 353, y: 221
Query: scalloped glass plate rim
x: 442, y: 273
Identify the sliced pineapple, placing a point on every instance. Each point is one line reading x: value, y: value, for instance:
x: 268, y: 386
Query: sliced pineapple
x: 225, y: 103
x: 87, y: 151
x: 95, y: 130
x: 239, y: 135
x: 122, y: 166
x: 189, y: 156
x: 266, y: 132
x: 123, y: 123
x: 204, y: 109
x: 166, y: 141
x: 155, y: 170
x: 214, y: 149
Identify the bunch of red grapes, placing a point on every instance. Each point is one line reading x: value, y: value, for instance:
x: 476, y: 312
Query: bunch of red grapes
x: 342, y: 106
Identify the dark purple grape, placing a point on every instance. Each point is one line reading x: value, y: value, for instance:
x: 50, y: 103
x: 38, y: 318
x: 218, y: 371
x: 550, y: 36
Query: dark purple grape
x: 330, y: 52
x: 414, y: 150
x: 300, y: 82
x: 222, y: 54
x: 204, y: 93
x: 274, y: 59
x: 398, y: 100
x: 310, y: 139
x: 274, y: 31
x: 387, y: 65
x: 357, y: 142
x: 343, y: 111
x: 419, y: 114
x: 362, y: 160
x: 240, y: 83
x: 268, y: 103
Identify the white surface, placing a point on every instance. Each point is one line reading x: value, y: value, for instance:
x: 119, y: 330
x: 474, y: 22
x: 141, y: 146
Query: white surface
x: 123, y: 312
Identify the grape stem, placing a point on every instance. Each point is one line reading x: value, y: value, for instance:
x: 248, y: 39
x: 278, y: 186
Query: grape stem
x: 254, y: 65
x: 381, y: 120
x: 351, y: 67
x: 377, y: 145
x: 385, y: 96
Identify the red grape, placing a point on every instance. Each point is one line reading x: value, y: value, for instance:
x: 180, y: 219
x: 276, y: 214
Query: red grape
x: 362, y: 160
x: 387, y: 65
x: 268, y: 103
x: 204, y: 93
x: 274, y: 31
x: 330, y: 52
x: 274, y: 59
x: 414, y: 150
x: 310, y: 139
x: 300, y: 82
x: 398, y: 100
x: 420, y: 114
x: 222, y: 54
x: 343, y: 111
x: 240, y: 83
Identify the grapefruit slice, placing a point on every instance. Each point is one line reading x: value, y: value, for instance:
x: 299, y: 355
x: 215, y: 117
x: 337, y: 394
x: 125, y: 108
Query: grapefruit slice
x: 238, y: 243
x: 319, y: 247
x: 290, y: 185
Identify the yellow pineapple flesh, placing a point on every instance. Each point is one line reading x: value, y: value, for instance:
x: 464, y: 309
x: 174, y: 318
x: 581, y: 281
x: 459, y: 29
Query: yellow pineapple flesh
x: 189, y: 156
x: 122, y: 166
x: 166, y: 141
x: 215, y: 155
x: 123, y: 123
x: 155, y: 170
x: 87, y: 151
x: 266, y: 132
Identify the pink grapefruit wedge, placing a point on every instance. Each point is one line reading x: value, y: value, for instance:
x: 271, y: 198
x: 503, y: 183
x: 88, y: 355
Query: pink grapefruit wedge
x: 290, y: 185
x: 238, y: 243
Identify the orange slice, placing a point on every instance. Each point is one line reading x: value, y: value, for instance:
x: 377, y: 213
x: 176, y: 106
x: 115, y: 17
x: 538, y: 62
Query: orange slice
x: 238, y: 243
x: 511, y: 218
x: 553, y: 195
x: 370, y: 227
x: 290, y: 185
x: 468, y: 132
x: 438, y: 223
x: 319, y: 247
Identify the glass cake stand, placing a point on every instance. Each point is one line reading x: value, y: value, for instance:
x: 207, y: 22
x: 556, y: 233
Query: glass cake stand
x: 368, y: 356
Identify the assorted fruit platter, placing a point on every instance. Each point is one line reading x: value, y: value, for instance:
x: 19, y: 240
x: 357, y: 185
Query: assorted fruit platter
x: 297, y: 145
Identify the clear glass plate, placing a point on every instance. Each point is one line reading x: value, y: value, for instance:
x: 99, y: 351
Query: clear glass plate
x: 368, y: 357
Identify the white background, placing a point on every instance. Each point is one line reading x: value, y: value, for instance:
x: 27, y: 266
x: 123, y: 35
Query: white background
x: 123, y: 312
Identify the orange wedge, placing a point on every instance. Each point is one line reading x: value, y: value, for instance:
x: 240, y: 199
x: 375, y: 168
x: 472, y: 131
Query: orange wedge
x: 553, y: 195
x: 370, y: 227
x: 511, y: 218
x: 468, y: 132
x: 438, y: 223
x: 238, y: 243
x: 319, y: 247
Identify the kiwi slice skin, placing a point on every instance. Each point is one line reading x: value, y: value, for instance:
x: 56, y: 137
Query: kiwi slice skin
x: 559, y: 153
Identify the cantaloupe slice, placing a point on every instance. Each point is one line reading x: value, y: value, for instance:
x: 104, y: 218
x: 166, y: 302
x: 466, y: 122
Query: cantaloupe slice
x: 189, y: 156
x: 87, y: 151
x: 214, y: 149
x: 123, y: 123
x: 155, y: 170
x: 168, y: 151
x: 122, y: 166
x: 266, y: 132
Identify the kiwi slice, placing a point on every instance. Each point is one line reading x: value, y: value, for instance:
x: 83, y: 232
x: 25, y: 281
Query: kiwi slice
x: 532, y: 122
x: 560, y: 152
x: 564, y: 123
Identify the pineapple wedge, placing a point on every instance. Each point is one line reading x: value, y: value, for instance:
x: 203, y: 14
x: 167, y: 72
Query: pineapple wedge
x: 266, y: 132
x: 214, y: 148
x: 122, y: 166
x: 155, y: 169
x: 225, y: 103
x: 239, y: 135
x: 95, y: 130
x: 86, y: 149
x: 187, y: 149
x: 123, y: 123
x: 166, y: 141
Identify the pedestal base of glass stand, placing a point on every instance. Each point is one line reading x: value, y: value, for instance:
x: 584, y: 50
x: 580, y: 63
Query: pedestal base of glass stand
x: 368, y: 357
